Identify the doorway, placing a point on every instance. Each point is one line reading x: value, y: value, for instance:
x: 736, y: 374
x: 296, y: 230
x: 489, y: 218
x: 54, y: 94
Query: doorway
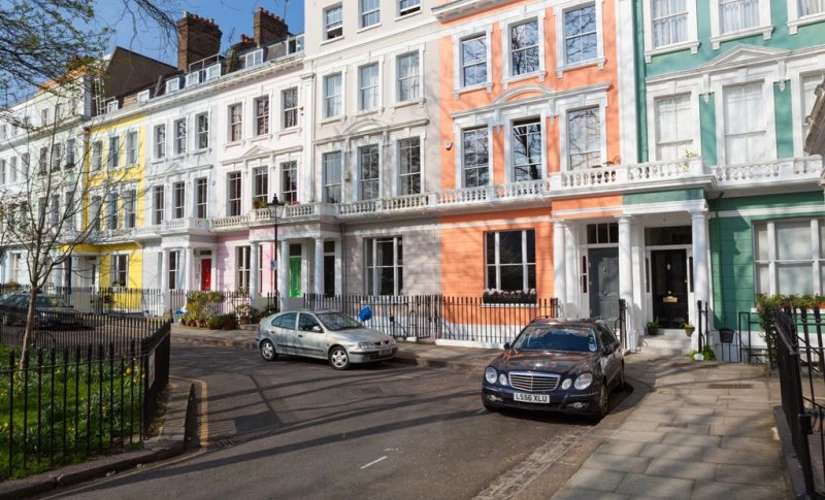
x: 604, y: 283
x: 669, y: 287
x: 294, y: 278
x: 206, y: 274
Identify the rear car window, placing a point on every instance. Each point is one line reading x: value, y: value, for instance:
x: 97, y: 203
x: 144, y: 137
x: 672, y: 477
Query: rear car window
x: 286, y: 321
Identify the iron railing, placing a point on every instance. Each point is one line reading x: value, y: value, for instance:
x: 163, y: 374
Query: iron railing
x: 800, y: 360
x: 72, y: 402
x: 473, y: 319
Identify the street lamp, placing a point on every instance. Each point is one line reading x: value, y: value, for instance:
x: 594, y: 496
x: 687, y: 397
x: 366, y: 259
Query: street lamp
x: 273, y: 209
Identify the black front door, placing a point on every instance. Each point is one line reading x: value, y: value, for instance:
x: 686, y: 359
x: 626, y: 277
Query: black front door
x: 604, y: 283
x: 670, y: 289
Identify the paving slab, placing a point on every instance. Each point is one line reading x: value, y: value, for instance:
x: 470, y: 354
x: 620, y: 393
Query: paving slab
x: 617, y: 463
x: 595, y: 479
x: 654, y: 486
x: 729, y: 491
x: 681, y: 469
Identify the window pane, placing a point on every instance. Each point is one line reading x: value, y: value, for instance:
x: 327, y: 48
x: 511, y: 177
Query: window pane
x: 795, y: 279
x: 510, y: 250
x: 580, y: 35
x: 512, y: 278
x: 474, y: 60
x: 531, y: 246
x: 524, y: 40
x: 737, y: 15
x: 584, y: 138
x: 491, y: 248
x: 762, y: 247
x: 793, y: 241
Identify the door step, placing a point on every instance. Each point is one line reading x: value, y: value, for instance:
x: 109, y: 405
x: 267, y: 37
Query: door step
x: 670, y: 344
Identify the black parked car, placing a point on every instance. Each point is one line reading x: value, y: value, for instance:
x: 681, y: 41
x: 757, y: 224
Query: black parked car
x: 559, y: 366
x: 50, y: 311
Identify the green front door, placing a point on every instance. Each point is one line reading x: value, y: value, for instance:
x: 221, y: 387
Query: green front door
x: 295, y: 271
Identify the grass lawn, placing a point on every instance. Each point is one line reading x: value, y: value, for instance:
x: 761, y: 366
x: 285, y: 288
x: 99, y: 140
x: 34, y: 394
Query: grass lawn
x: 65, y: 411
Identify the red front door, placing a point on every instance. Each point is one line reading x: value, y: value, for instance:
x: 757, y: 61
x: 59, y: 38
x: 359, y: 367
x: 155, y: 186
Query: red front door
x: 206, y: 274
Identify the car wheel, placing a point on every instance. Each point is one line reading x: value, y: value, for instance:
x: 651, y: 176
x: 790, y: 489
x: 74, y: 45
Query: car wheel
x: 604, y: 401
x: 338, y: 358
x: 268, y: 351
x: 621, y: 384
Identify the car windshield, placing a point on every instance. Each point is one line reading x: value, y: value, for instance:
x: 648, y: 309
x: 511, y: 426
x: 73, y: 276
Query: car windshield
x: 50, y: 302
x: 556, y: 338
x: 335, y: 321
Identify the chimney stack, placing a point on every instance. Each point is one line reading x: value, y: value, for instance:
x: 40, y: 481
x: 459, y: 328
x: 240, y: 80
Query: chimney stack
x: 268, y: 27
x: 198, y: 38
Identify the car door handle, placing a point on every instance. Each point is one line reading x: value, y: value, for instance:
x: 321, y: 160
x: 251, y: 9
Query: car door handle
x: 301, y: 336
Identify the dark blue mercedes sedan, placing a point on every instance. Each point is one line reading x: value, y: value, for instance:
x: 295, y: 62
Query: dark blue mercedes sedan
x: 558, y: 366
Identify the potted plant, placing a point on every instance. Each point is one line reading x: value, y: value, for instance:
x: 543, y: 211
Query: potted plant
x: 653, y: 326
x: 243, y: 311
x: 689, y: 328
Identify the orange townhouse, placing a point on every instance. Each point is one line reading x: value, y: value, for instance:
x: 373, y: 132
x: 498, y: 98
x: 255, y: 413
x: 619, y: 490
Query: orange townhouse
x: 529, y: 116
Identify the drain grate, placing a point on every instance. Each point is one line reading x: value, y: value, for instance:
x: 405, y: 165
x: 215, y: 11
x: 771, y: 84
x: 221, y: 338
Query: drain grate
x: 730, y: 386
x: 225, y: 443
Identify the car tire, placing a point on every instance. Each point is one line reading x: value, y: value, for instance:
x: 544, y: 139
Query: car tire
x: 622, y: 383
x: 603, y: 404
x: 268, y: 352
x: 338, y: 358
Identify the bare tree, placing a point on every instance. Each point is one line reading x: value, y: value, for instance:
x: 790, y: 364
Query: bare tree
x: 55, y: 57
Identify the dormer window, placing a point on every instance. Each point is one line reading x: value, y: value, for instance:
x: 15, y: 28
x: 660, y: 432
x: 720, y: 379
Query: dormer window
x: 193, y: 78
x: 112, y: 106
x: 406, y: 7
x: 172, y: 85
x: 334, y: 17
x: 143, y: 96
x: 213, y: 72
x: 254, y: 59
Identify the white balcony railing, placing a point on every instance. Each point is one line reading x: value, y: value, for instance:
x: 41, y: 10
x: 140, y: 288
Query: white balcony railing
x: 463, y: 196
x: 778, y: 171
x: 620, y: 175
x: 232, y: 222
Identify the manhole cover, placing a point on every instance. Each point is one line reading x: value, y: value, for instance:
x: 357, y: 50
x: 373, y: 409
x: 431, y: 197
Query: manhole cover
x: 730, y: 386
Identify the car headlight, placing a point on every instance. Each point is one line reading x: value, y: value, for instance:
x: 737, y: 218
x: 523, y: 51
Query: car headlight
x: 365, y: 346
x: 392, y: 341
x: 502, y: 379
x: 490, y: 374
x: 583, y: 381
x: 566, y: 384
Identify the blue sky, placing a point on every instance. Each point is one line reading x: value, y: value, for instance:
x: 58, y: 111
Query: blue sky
x: 233, y: 16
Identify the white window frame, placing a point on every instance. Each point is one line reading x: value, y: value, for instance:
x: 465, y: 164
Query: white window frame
x: 460, y: 155
x: 97, y: 155
x: 379, y: 147
x: 262, y: 119
x: 458, y: 73
x: 764, y: 28
x: 173, y: 85
x: 213, y: 72
x: 339, y: 25
x: 199, y: 134
x: 371, y: 268
x: 132, y: 155
x: 113, y: 156
x: 230, y: 200
x: 364, y: 13
x: 801, y: 97
x: 689, y: 136
x: 289, y: 195
x: 525, y: 265
x: 375, y: 88
x: 112, y: 208
x: 160, y: 146
x: 230, y: 124
x: 129, y: 208
x: 795, y: 20
x: 289, y: 111
x: 397, y: 79
x: 326, y: 182
x: 158, y: 205
x: 692, y: 41
x: 509, y: 150
x: 260, y: 174
x: 12, y: 175
x: 599, y: 61
x: 116, y: 270
x: 325, y: 98
x: 253, y: 59
x: 410, y: 10
x: 816, y: 261
x: 144, y: 95
x: 180, y: 141
x: 400, y: 175
x: 201, y: 201
x: 566, y: 105
x: 193, y: 79
x: 243, y: 267
x: 506, y: 56
x: 719, y: 89
x: 178, y: 200
x: 175, y: 269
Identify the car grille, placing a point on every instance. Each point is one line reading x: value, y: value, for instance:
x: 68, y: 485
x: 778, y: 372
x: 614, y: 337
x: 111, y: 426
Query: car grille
x: 534, y: 382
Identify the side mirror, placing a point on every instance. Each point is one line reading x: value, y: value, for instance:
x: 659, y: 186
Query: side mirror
x: 506, y: 345
x: 317, y: 329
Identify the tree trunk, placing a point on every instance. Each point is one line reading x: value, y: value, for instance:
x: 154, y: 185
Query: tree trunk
x: 28, y: 329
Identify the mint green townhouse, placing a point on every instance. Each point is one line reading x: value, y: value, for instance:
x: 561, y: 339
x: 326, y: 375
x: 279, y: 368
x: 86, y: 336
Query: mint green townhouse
x: 723, y: 88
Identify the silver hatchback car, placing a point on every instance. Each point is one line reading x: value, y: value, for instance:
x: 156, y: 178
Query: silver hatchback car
x: 330, y: 335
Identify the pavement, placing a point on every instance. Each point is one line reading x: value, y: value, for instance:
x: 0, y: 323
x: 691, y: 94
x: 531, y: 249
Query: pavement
x: 693, y: 430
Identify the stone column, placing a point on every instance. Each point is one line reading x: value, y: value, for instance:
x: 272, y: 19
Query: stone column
x: 701, y: 271
x: 626, y: 273
x: 559, y: 267
x: 319, y: 266
x: 254, y: 270
x: 339, y: 266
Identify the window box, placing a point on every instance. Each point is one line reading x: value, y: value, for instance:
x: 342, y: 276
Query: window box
x: 493, y: 296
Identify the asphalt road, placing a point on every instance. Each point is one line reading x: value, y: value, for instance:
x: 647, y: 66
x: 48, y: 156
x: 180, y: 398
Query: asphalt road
x: 298, y: 429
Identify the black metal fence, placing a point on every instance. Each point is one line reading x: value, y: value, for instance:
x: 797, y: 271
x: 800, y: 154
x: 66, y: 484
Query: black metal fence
x: 801, y: 365
x: 440, y: 317
x: 72, y: 401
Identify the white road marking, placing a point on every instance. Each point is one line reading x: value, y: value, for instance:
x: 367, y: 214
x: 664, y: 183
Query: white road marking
x: 374, y: 462
x: 479, y: 412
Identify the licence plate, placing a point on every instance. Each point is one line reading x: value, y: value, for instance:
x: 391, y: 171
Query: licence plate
x: 531, y: 398
x: 385, y: 352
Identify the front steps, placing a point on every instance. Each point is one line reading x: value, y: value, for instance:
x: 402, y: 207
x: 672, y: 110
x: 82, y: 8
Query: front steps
x: 669, y: 342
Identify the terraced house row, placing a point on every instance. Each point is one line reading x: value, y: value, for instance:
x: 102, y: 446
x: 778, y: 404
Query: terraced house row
x: 581, y: 150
